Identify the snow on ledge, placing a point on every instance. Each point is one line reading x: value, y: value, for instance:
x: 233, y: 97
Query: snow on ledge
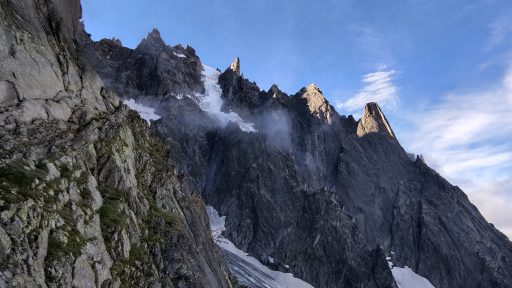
x: 248, y: 270
x: 179, y: 55
x: 146, y: 113
x: 406, y: 278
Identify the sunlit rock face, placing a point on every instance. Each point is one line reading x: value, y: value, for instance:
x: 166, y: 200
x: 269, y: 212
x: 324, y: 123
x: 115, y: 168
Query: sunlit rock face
x: 316, y: 103
x: 235, y: 66
x: 374, y: 121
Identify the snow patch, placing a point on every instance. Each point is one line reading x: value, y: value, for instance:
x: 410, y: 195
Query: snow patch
x: 145, y: 112
x: 211, y: 101
x: 248, y: 270
x: 406, y: 278
x: 217, y: 223
x: 179, y: 55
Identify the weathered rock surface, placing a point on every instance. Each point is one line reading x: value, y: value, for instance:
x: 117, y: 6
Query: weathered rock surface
x: 86, y: 196
x: 374, y: 121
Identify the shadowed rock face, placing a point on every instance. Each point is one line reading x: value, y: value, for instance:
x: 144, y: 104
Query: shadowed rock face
x: 330, y: 197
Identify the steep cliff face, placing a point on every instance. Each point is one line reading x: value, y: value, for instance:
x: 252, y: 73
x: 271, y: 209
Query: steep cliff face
x: 324, y: 196
x: 86, y: 196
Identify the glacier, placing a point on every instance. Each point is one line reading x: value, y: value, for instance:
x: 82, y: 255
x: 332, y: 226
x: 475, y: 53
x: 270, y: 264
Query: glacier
x: 211, y: 101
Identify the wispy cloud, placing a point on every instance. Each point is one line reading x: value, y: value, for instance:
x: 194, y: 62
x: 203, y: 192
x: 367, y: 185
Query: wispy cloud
x: 378, y: 87
x: 377, y: 45
x: 468, y: 138
x: 501, y: 29
x: 494, y: 201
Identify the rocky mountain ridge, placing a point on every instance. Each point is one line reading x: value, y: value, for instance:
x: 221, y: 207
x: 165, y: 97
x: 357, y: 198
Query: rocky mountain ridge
x: 91, y: 196
x: 321, y: 193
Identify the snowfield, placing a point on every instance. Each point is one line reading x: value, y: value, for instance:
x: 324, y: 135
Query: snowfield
x: 248, y: 270
x: 211, y: 101
x: 146, y: 113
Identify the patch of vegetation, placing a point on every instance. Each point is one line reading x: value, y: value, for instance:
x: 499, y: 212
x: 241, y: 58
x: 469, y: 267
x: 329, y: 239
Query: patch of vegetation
x: 82, y: 179
x: 161, y: 224
x: 137, y: 254
x: 111, y: 193
x: 86, y: 202
x: 65, y: 172
x: 75, y: 240
x: 42, y: 166
x: 16, y: 173
x: 57, y: 248
x: 16, y: 181
x: 175, y: 280
x: 111, y: 217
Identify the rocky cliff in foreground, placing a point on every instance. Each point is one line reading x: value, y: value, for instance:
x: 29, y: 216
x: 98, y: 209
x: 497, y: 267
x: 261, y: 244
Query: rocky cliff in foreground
x: 86, y: 196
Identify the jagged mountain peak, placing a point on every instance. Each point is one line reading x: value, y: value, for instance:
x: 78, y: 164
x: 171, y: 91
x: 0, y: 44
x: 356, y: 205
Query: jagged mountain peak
x: 316, y: 102
x: 154, y: 34
x: 275, y: 91
x: 152, y: 43
x: 312, y: 94
x: 374, y: 121
x: 312, y: 87
x: 117, y: 41
x: 235, y: 66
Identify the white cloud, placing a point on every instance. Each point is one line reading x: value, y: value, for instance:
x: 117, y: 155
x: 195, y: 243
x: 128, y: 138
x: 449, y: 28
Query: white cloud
x: 378, y: 87
x: 494, y: 203
x: 467, y: 137
x: 501, y: 29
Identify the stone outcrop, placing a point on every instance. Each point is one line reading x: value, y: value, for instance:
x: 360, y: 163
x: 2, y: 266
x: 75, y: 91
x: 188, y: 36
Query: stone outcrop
x: 316, y: 103
x: 153, y: 69
x: 235, y: 66
x: 374, y: 121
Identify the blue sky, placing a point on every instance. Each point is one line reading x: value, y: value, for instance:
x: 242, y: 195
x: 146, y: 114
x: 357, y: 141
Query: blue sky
x: 441, y: 70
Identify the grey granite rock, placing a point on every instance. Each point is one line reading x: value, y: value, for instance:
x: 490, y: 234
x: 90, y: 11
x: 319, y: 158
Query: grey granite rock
x: 8, y: 94
x: 85, y: 198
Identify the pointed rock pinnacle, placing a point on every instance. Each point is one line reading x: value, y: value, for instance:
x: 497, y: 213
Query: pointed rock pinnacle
x: 235, y: 66
x: 374, y: 121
